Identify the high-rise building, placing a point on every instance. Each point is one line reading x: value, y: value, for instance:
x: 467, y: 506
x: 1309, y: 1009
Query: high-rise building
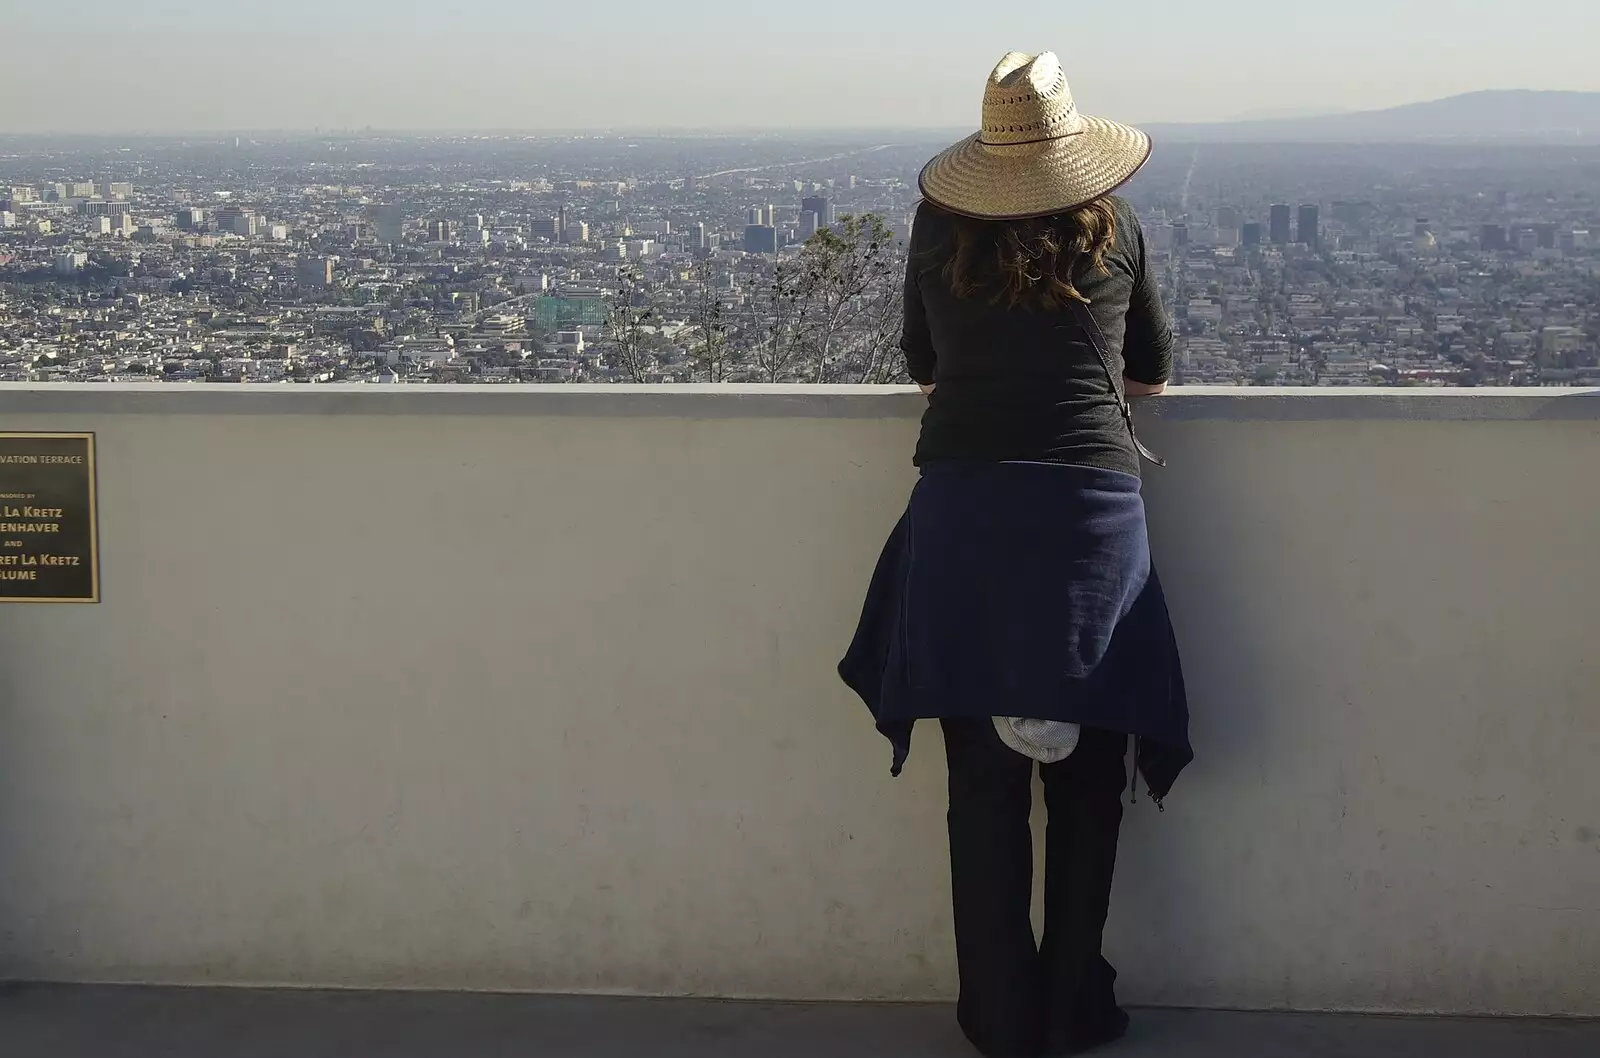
x: 697, y: 238
x: 1180, y: 236
x: 190, y: 219
x: 760, y: 238
x: 754, y: 216
x: 1547, y: 236
x: 575, y: 231
x: 100, y: 225
x: 1281, y: 219
x: 442, y: 231
x: 546, y: 227
x: 1250, y: 235
x: 1310, y: 232
x: 808, y: 224
x: 1493, y: 238
x: 822, y: 207
x: 315, y: 272
x: 1227, y: 217
x: 81, y: 189
x: 388, y: 221
x: 239, y: 220
x: 115, y: 189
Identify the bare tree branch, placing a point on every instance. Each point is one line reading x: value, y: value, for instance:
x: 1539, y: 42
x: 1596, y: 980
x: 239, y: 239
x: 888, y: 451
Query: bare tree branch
x: 628, y: 342
x: 711, y: 355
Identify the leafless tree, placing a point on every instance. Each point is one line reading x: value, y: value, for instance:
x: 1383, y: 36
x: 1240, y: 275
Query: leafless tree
x: 770, y: 323
x: 628, y: 344
x: 711, y: 354
x: 876, y: 350
x: 831, y: 313
x: 847, y: 300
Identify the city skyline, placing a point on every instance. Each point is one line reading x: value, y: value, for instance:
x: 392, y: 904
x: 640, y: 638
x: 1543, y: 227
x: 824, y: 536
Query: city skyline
x: 589, y: 259
x: 188, y: 66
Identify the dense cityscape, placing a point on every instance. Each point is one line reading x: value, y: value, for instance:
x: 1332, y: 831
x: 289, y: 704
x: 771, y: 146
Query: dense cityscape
x: 363, y: 258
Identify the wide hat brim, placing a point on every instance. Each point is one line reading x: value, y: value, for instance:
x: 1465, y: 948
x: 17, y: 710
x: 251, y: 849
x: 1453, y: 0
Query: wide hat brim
x: 1011, y: 181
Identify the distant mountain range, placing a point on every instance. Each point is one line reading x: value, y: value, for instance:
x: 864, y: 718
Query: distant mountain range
x: 1479, y: 117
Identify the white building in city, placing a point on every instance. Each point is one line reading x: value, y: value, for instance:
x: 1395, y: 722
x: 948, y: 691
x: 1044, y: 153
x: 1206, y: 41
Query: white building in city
x: 569, y: 344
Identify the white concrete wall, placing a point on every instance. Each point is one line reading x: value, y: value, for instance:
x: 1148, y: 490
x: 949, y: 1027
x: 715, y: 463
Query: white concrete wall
x: 534, y: 690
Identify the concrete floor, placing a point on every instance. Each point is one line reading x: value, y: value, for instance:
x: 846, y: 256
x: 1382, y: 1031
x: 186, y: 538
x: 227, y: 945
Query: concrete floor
x: 64, y: 1021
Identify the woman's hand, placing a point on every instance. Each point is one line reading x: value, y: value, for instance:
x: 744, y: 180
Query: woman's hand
x: 1142, y: 389
x: 927, y: 391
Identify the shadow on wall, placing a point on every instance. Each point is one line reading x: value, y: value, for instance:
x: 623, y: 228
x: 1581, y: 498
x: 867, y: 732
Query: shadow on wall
x: 1197, y: 511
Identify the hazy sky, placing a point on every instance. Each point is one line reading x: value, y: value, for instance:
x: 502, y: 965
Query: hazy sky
x: 165, y: 65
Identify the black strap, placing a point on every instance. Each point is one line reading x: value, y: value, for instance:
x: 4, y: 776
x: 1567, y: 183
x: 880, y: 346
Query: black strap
x: 1097, y: 338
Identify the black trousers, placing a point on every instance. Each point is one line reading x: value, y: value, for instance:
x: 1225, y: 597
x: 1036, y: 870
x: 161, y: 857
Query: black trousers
x: 1019, y: 998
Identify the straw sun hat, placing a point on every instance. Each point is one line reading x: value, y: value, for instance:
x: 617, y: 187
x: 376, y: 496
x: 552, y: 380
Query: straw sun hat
x: 1037, y: 155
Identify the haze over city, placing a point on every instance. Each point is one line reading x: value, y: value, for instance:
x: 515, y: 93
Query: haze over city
x: 192, y: 65
x: 491, y: 194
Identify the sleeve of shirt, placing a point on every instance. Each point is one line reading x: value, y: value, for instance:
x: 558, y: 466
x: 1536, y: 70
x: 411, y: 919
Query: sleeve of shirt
x: 916, y: 341
x: 1147, y: 349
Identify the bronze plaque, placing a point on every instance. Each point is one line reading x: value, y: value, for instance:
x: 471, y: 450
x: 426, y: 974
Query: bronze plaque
x: 49, y: 539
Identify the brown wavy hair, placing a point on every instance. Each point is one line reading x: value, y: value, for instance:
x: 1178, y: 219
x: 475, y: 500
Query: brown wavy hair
x: 1033, y: 263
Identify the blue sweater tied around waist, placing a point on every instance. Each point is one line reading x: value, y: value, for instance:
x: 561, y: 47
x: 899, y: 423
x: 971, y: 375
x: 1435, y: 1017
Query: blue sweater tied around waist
x: 1023, y: 590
